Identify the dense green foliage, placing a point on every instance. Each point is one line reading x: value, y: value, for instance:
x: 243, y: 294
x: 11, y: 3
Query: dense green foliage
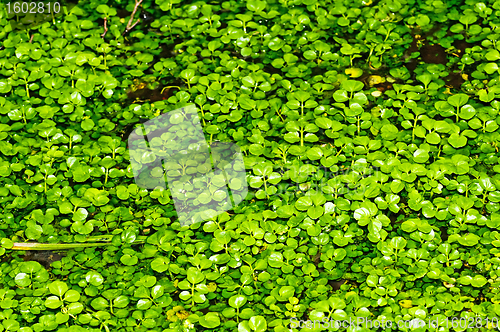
x: 370, y: 134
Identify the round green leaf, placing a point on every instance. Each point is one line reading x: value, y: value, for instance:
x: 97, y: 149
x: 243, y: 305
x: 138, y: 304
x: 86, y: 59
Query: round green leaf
x: 237, y: 301
x: 210, y: 320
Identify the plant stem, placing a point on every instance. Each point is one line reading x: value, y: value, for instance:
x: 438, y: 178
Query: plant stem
x: 340, y: 150
x: 57, y: 246
x: 65, y: 246
x: 413, y: 130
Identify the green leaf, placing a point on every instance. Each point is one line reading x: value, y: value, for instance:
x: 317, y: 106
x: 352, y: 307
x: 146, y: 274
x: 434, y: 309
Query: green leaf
x: 303, y: 203
x: 22, y: 280
x: 457, y: 141
x: 469, y: 239
x: 420, y: 156
x: 72, y: 296
x: 275, y: 44
x: 409, y: 226
x: 210, y: 320
x: 237, y: 301
x: 129, y: 260
x: 492, y: 55
x: 458, y: 99
x: 99, y: 303
x: 254, y: 324
x: 94, y: 278
x: 275, y: 259
x: 58, y: 288
x: 490, y: 68
x: 80, y: 215
x: 479, y: 281
x: 195, y: 276
x: 433, y: 138
x: 398, y: 243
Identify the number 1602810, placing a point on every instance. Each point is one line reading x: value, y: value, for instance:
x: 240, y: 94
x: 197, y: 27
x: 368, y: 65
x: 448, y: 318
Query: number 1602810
x: 23, y: 8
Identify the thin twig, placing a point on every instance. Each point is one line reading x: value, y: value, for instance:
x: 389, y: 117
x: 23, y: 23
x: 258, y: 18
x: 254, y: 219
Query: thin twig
x: 130, y: 26
x: 105, y: 27
x: 31, y: 38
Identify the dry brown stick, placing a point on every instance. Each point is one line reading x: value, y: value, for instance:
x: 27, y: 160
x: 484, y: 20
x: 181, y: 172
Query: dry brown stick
x: 31, y: 39
x: 130, y: 26
x: 105, y: 27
